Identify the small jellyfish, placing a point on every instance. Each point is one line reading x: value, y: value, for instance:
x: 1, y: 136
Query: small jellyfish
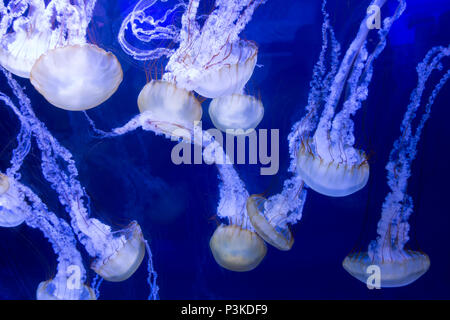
x: 400, y: 266
x: 11, y: 213
x: 228, y: 71
x: 76, y: 77
x: 120, y: 265
x: 236, y: 248
x: 4, y: 184
x: 171, y: 109
x: 236, y: 113
x: 279, y: 237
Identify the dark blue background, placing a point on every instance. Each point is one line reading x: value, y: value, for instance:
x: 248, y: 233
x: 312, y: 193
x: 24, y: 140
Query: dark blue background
x: 132, y: 177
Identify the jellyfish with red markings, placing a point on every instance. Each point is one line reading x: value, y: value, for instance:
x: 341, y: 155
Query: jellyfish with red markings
x: 398, y: 265
x: 234, y: 244
x: 327, y: 160
x: 210, y: 59
x: 45, y: 41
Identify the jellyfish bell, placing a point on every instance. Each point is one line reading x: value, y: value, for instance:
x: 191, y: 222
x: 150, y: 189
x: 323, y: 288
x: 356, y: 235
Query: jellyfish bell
x: 20, y: 50
x: 4, y: 184
x: 280, y: 238
x: 228, y: 71
x: 236, y: 113
x: 27, y: 38
x: 332, y: 177
x: 173, y: 110
x: 56, y: 289
x: 11, y: 214
x: 125, y: 260
x: 237, y: 249
x: 76, y: 77
x: 400, y: 271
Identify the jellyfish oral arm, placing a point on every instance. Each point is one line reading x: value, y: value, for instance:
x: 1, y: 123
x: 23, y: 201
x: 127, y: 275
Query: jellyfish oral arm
x: 398, y: 206
x: 60, y: 235
x: 233, y: 194
x: 339, y: 81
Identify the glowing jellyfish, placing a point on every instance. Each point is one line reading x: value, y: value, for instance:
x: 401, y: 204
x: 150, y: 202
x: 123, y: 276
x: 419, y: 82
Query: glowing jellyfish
x: 279, y: 238
x: 272, y: 217
x: 4, y: 184
x: 11, y: 213
x: 125, y: 261
x: 399, y: 266
x: 116, y: 254
x: 236, y: 113
x: 77, y: 77
x: 20, y: 204
x: 334, y: 178
x: 46, y: 41
x: 328, y: 162
x: 170, y: 108
x: 210, y: 60
x: 237, y: 249
x: 31, y: 35
x: 235, y: 246
x: 48, y: 290
x: 69, y: 281
x: 237, y: 62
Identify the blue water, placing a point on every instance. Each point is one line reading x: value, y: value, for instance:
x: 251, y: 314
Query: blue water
x: 132, y: 177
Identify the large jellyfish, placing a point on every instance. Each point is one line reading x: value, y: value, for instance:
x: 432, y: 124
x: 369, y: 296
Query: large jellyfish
x: 70, y: 278
x: 210, y: 60
x: 327, y: 161
x: 46, y: 42
x: 399, y: 266
x: 116, y: 254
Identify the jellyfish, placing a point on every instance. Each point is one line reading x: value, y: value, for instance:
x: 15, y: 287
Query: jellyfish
x: 11, y: 214
x: 210, y: 59
x: 234, y: 244
x: 118, y: 254
x: 46, y: 42
x: 172, y: 108
x: 4, y: 184
x: 19, y: 204
x: 236, y: 113
x: 327, y: 160
x: 69, y: 281
x: 398, y: 265
x: 272, y: 217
